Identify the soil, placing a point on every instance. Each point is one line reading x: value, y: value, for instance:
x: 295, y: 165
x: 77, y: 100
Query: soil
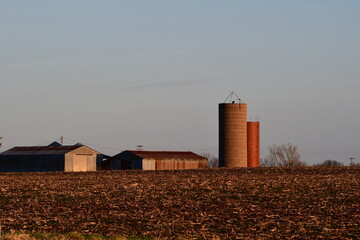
x: 248, y: 203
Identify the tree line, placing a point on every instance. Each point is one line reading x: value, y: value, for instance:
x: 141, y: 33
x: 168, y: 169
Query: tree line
x: 285, y: 155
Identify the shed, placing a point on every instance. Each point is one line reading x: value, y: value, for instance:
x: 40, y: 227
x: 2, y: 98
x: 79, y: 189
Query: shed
x: 157, y: 160
x: 55, y: 157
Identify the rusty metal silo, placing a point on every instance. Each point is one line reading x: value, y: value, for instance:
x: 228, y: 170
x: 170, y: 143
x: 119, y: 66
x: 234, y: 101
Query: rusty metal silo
x: 233, y: 134
x: 253, y: 144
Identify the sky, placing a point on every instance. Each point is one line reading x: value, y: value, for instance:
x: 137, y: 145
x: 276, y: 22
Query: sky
x: 116, y: 74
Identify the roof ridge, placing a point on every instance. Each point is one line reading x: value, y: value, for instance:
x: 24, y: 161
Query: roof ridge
x: 167, y: 154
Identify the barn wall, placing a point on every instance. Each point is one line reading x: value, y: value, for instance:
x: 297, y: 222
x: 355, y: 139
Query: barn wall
x: 81, y: 159
x: 136, y: 164
x: 99, y: 161
x: 126, y: 161
x: 129, y: 160
x: 31, y: 163
x: 105, y: 165
x: 203, y: 164
x: 80, y: 162
x: 149, y: 164
x: 178, y: 164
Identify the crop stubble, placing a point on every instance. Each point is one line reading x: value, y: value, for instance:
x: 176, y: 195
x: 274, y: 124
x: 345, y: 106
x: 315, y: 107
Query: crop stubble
x: 258, y: 203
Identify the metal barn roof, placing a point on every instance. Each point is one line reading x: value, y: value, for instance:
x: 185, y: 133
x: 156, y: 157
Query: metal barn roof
x: 168, y: 155
x: 49, y: 150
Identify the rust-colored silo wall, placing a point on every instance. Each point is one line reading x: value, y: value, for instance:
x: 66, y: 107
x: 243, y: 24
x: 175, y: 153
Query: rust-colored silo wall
x: 253, y: 144
x: 232, y: 135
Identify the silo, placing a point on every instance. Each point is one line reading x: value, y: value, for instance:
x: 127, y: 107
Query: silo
x: 253, y: 144
x: 232, y: 135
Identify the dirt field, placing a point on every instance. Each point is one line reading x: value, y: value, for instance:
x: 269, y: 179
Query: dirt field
x: 306, y: 203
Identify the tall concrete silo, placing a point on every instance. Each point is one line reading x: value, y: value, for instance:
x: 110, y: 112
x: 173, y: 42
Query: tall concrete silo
x: 253, y: 144
x: 233, y: 134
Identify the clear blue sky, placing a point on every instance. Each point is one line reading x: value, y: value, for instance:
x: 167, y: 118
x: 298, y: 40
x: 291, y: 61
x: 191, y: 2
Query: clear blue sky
x: 117, y: 74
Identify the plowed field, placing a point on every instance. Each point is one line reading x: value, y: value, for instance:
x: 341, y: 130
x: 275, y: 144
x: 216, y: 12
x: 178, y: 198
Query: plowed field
x: 279, y: 203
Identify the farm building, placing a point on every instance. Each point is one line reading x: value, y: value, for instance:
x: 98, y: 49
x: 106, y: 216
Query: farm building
x: 156, y: 160
x: 55, y: 157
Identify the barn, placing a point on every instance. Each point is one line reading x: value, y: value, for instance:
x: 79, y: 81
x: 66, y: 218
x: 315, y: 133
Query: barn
x: 156, y: 160
x: 55, y: 157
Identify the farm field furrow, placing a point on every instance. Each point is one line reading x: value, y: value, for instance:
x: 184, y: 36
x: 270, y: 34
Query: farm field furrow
x: 280, y: 203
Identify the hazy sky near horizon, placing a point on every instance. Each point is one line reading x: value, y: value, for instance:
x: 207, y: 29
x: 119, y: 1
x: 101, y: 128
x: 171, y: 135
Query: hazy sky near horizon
x: 116, y: 74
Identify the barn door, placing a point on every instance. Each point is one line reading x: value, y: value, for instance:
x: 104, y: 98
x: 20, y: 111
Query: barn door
x: 80, y: 163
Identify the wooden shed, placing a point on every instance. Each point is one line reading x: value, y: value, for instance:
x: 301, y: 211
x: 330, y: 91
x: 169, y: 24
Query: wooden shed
x: 157, y: 160
x: 55, y: 157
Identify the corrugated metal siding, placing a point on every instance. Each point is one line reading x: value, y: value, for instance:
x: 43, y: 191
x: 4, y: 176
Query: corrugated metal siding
x: 136, y: 164
x: 156, y: 160
x: 81, y: 159
x: 105, y: 165
x: 46, y: 159
x: 203, y: 164
x: 149, y: 164
x: 116, y: 164
x: 125, y: 161
x: 99, y: 161
x: 180, y: 164
x: 32, y: 163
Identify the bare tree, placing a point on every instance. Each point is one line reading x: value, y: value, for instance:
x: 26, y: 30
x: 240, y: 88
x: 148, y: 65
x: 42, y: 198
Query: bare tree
x: 267, y: 162
x: 212, y: 160
x: 285, y: 155
x: 330, y: 163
